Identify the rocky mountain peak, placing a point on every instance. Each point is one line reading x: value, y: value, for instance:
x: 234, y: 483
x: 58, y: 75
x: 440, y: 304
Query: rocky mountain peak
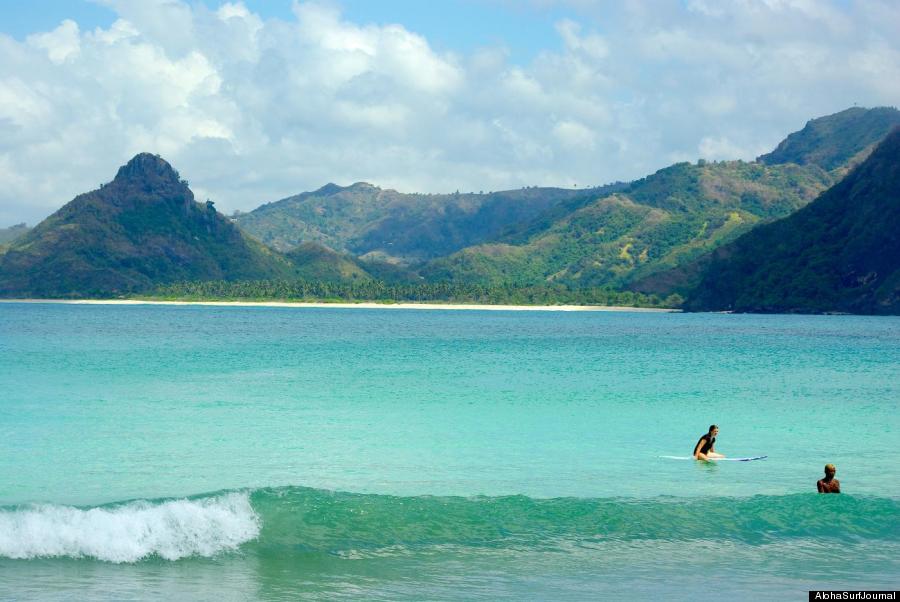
x: 148, y: 167
x: 329, y: 189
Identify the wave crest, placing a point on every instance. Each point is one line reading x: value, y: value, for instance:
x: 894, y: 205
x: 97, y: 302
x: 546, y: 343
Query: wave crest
x: 132, y: 531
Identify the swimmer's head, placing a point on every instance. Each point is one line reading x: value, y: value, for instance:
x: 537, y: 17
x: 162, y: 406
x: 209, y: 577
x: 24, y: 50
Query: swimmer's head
x: 830, y: 469
x: 713, y: 429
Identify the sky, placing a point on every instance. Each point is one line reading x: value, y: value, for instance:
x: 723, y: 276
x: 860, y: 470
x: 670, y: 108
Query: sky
x: 257, y: 100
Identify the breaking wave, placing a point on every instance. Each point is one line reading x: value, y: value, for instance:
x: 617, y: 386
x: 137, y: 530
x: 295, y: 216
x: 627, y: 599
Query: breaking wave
x: 132, y: 531
x: 305, y: 520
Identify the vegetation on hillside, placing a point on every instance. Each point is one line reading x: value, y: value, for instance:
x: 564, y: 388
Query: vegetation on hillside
x: 140, y: 230
x: 661, y: 221
x: 8, y: 235
x: 667, y: 234
x: 835, y: 140
x: 315, y: 262
x: 386, y: 225
x: 841, y: 253
x: 375, y: 290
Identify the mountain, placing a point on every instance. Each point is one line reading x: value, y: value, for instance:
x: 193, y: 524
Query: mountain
x: 315, y: 262
x: 669, y: 219
x: 655, y: 235
x: 612, y: 236
x: 835, y: 140
x: 661, y: 221
x: 140, y: 230
x: 373, y: 223
x: 840, y: 253
x: 7, y: 235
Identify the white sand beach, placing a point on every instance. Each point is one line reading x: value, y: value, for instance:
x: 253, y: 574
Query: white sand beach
x: 361, y: 305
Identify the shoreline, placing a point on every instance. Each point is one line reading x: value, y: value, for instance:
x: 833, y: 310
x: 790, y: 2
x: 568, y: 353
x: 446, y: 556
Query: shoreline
x: 360, y: 305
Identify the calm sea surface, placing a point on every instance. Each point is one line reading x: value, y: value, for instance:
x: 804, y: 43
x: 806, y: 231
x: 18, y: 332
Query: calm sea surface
x: 273, y: 453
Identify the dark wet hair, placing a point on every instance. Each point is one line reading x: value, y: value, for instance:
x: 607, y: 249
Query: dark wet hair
x: 712, y: 427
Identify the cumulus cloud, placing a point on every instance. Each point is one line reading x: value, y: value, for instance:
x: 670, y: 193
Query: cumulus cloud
x: 252, y: 109
x: 59, y: 44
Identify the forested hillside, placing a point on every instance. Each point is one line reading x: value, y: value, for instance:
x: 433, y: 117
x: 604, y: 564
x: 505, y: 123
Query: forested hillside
x: 373, y: 223
x: 142, y: 229
x: 658, y: 222
x: 841, y: 253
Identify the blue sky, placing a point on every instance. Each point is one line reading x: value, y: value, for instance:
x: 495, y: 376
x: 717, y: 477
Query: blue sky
x: 460, y: 25
x: 257, y: 100
x: 23, y: 18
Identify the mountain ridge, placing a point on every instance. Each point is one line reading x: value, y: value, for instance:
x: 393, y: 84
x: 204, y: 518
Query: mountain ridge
x: 661, y: 220
x: 363, y: 219
x: 840, y: 253
x: 130, y: 234
x: 834, y: 140
x: 654, y: 235
x: 675, y: 215
x: 8, y: 235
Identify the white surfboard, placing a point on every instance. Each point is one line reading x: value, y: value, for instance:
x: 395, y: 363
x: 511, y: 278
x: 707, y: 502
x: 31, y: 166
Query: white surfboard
x: 717, y: 459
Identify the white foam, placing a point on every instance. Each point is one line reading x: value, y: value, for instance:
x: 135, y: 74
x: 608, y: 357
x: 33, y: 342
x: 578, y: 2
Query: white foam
x: 128, y: 533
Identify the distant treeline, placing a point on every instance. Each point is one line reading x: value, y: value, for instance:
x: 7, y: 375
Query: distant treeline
x: 258, y: 290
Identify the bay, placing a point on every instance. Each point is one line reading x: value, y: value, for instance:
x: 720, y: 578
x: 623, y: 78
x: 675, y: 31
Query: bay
x: 499, y: 454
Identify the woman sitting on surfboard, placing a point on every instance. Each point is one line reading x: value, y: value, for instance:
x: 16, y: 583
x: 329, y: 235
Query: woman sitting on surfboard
x: 706, y: 447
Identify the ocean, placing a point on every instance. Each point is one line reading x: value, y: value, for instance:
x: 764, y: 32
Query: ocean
x: 244, y: 453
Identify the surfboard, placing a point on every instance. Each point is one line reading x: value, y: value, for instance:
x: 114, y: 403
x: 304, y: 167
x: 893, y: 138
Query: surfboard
x: 750, y: 459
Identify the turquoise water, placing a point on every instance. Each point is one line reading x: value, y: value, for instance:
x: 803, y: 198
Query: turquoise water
x: 270, y: 453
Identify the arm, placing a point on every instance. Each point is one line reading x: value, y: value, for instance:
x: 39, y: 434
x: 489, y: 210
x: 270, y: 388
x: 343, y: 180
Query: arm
x: 712, y: 453
x: 819, y: 486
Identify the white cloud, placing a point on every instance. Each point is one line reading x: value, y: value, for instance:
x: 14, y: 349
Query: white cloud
x: 251, y: 110
x: 61, y: 43
x: 574, y: 135
x: 22, y: 105
x: 118, y: 31
x: 721, y: 148
x: 231, y: 10
x: 592, y: 45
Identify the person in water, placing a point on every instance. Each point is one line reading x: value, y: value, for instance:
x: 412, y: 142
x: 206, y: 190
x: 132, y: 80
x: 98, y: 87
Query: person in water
x: 706, y: 446
x: 829, y: 484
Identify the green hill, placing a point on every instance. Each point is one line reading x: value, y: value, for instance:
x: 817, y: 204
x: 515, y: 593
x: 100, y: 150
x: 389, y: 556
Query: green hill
x: 669, y: 219
x: 373, y: 223
x: 835, y: 140
x: 140, y: 230
x: 661, y: 221
x: 317, y: 263
x: 656, y: 235
x: 841, y: 253
x: 8, y: 235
